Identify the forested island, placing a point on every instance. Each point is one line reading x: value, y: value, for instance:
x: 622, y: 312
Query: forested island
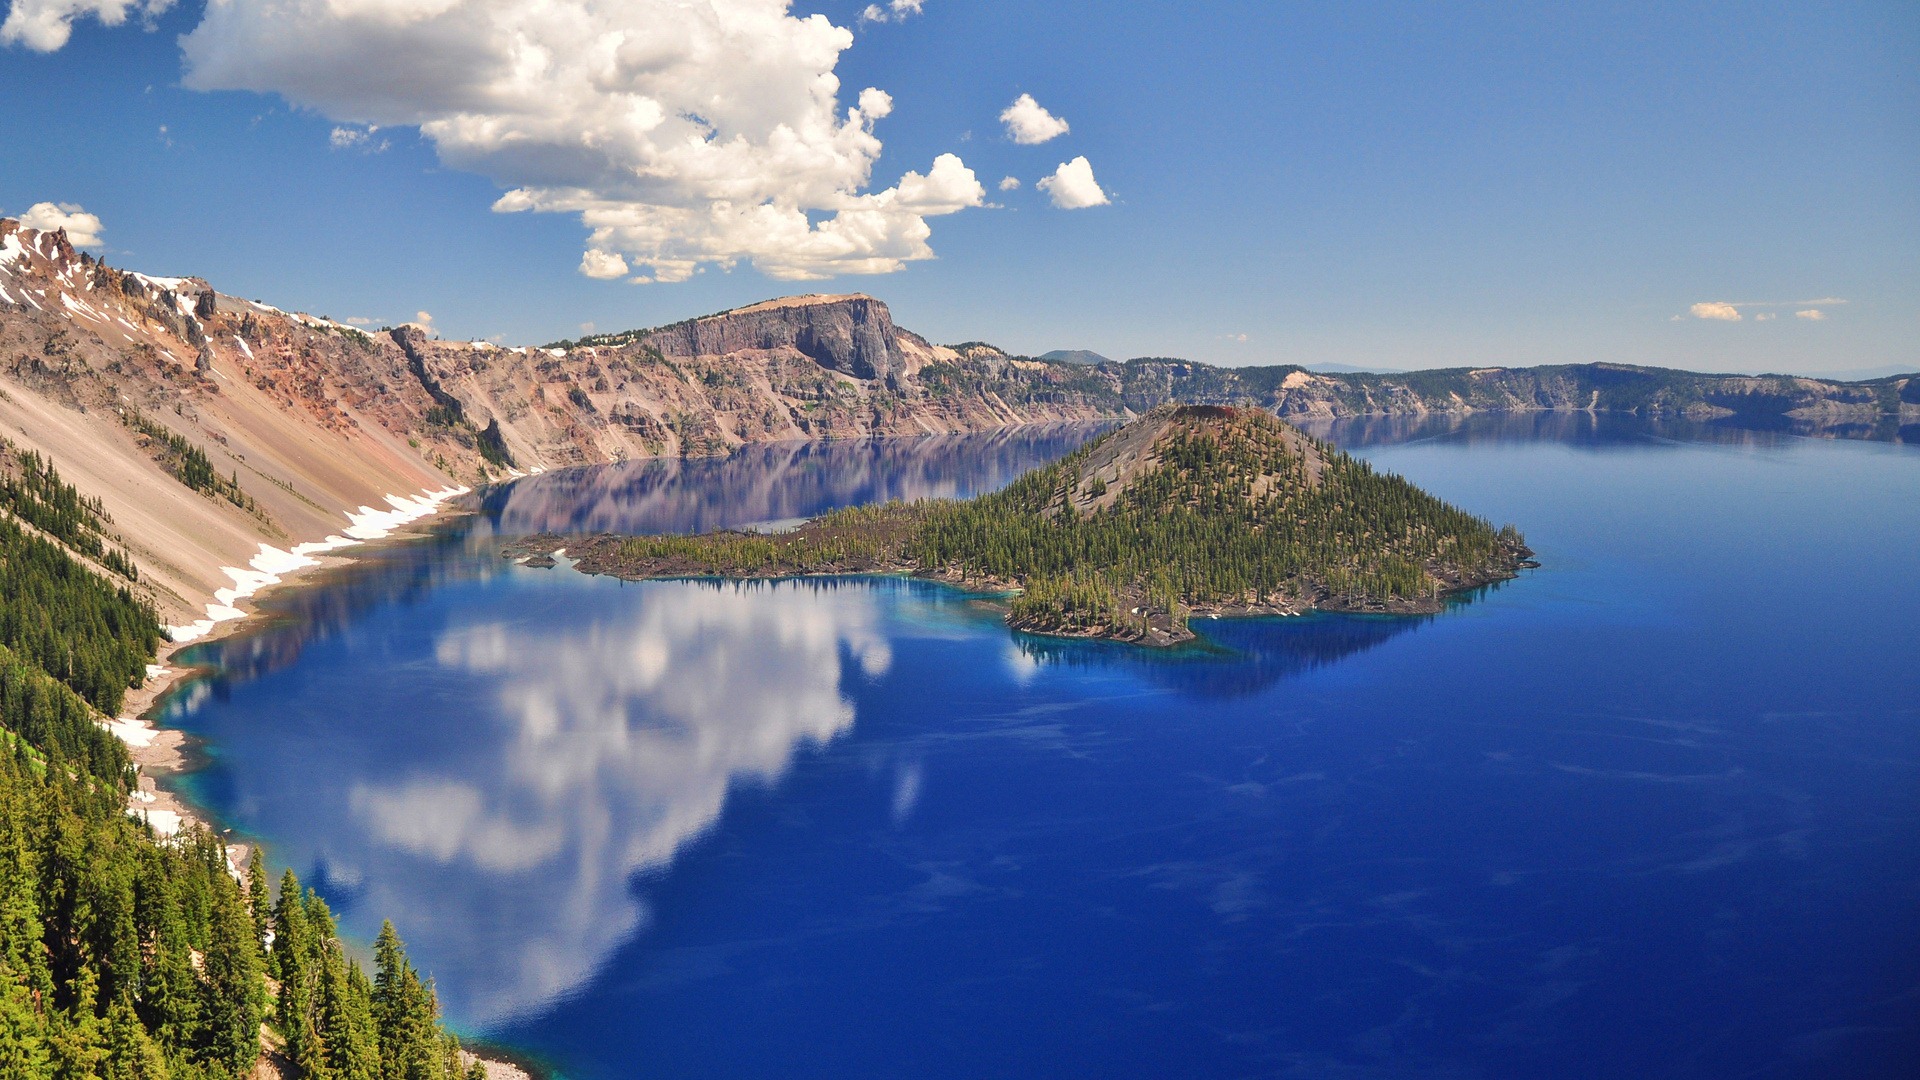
x: 1188, y: 510
x: 124, y: 954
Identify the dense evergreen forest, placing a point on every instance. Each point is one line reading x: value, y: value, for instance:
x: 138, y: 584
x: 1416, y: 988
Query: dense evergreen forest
x: 1218, y: 509
x: 124, y: 956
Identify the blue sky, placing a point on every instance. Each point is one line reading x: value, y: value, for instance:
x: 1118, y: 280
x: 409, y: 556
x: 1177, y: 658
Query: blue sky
x: 1397, y: 185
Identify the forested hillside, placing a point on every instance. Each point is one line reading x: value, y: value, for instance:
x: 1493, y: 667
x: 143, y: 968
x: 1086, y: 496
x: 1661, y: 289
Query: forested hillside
x: 1188, y: 508
x: 125, y: 956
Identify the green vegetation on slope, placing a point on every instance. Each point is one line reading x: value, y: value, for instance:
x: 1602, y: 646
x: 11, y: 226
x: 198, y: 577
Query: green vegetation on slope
x: 1228, y: 509
x: 1241, y: 512
x: 32, y: 491
x: 126, y: 957
x: 189, y: 464
x: 88, y: 633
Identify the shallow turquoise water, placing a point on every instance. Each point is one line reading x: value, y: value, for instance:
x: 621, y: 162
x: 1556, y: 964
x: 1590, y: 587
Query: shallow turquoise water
x: 1652, y: 810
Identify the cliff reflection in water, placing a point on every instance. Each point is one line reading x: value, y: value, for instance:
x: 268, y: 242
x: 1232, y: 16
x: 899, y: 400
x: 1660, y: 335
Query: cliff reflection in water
x: 775, y: 481
x: 769, y: 482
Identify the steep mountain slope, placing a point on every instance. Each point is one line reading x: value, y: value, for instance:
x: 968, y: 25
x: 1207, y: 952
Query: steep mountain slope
x: 230, y: 441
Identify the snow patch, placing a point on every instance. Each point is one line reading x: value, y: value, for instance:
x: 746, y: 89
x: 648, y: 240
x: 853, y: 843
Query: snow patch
x: 372, y: 524
x: 129, y: 731
x: 272, y: 564
x: 172, y: 283
x: 163, y: 822
x: 242, y: 342
x: 80, y: 307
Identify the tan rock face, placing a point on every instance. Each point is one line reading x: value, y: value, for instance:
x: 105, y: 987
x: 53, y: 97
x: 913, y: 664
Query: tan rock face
x: 853, y: 335
x: 314, y: 419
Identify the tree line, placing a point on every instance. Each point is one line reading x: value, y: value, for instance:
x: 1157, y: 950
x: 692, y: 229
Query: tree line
x: 31, y: 490
x: 1242, y: 510
x: 123, y: 955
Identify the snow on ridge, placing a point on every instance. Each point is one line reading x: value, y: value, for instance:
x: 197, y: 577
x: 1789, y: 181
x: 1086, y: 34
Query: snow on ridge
x: 169, y: 283
x: 11, y: 250
x: 80, y: 307
x: 272, y: 564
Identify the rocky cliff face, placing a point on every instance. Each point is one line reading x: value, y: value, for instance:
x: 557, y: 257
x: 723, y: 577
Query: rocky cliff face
x: 853, y: 335
x: 115, y: 375
x: 111, y: 372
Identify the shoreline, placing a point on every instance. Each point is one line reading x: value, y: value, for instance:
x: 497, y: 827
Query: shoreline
x: 158, y: 753
x: 542, y: 551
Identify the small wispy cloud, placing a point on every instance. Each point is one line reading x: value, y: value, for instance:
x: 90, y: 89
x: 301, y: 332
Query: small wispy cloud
x: 1729, y: 310
x: 353, y: 138
x: 896, y: 11
x: 1715, y: 309
x: 1011, y: 183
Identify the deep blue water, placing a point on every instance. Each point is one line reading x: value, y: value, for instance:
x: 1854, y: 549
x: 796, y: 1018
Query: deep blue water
x: 1652, y: 810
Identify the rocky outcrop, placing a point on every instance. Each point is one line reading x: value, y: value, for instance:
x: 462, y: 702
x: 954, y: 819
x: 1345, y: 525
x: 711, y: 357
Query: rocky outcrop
x: 853, y: 335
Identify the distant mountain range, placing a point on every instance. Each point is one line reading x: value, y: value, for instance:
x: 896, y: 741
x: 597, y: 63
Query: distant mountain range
x: 210, y: 425
x: 1075, y: 356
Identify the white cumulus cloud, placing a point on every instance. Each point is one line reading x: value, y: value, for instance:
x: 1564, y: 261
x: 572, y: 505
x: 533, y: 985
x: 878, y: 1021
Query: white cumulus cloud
x: 896, y: 11
x: 1716, y: 310
x: 83, y: 229
x: 1029, y: 124
x: 1814, y: 314
x: 360, y: 138
x: 682, y: 134
x: 1072, y: 186
x: 45, y: 25
x: 1010, y: 183
x: 602, y: 265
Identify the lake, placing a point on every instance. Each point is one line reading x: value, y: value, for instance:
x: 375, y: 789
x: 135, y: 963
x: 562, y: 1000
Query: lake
x: 1651, y: 810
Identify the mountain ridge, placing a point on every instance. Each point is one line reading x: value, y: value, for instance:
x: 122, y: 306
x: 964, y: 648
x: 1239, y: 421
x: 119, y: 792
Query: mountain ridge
x: 300, y: 430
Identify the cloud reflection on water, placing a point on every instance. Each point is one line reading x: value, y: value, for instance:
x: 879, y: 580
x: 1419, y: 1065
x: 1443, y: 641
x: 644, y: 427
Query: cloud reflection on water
x: 613, y: 742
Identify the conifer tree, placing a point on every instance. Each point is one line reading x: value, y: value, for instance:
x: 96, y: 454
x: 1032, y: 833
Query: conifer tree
x: 231, y: 987
x: 131, y: 1053
x: 260, y: 904
x: 291, y: 951
x: 352, y: 1043
x: 23, y: 1050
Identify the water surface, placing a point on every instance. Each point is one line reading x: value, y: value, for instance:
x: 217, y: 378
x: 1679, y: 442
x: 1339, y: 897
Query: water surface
x: 1652, y: 810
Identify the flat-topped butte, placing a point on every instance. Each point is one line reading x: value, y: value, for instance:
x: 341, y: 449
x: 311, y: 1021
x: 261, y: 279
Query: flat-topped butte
x: 1186, y: 510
